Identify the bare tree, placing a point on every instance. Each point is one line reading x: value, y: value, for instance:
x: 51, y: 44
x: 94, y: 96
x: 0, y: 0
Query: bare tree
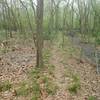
x: 39, y: 36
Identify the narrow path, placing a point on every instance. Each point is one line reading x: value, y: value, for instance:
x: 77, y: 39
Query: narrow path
x: 56, y: 60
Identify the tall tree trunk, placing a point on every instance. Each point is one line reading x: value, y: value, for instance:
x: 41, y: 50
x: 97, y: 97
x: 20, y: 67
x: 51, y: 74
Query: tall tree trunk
x: 39, y: 35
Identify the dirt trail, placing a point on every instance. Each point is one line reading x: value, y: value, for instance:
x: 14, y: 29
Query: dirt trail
x: 59, y: 68
x: 56, y: 60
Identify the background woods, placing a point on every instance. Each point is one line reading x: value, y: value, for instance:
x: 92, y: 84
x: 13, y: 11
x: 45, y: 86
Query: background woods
x: 49, y: 49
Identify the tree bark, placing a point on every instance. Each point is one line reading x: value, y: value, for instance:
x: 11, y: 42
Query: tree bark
x: 39, y: 36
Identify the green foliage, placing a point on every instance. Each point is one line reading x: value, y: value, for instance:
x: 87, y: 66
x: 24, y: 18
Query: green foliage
x: 46, y: 56
x: 35, y: 73
x: 51, y: 69
x: 2, y: 35
x: 75, y: 78
x: 98, y: 41
x: 38, y: 77
x: 36, y: 90
x: 97, y: 38
x: 34, y: 97
x: 92, y: 98
x: 50, y: 86
x: 75, y: 86
x: 26, y: 89
x: 47, y: 36
x: 23, y: 89
x: 4, y: 86
x: 4, y: 50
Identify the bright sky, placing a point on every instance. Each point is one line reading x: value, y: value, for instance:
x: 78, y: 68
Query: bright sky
x: 35, y: 1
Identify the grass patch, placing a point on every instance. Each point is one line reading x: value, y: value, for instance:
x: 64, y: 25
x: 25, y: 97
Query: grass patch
x: 5, y: 86
x: 36, y: 91
x: 67, y: 73
x: 75, y: 78
x: 46, y: 56
x: 42, y: 77
x: 51, y: 69
x: 35, y: 73
x: 92, y: 98
x: 26, y: 89
x: 34, y: 98
x: 23, y: 89
x: 4, y: 50
x: 50, y: 86
x: 75, y: 86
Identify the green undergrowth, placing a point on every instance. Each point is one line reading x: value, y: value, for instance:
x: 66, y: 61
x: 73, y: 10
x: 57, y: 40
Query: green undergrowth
x: 50, y: 85
x: 75, y: 84
x: 26, y: 89
x: 5, y: 86
x: 92, y: 98
x: 46, y: 56
x: 46, y: 78
x: 68, y: 49
x: 51, y: 69
x: 38, y: 77
x: 4, y: 50
x: 23, y: 89
x: 48, y: 67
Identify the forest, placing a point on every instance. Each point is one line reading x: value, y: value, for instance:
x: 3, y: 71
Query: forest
x: 49, y: 49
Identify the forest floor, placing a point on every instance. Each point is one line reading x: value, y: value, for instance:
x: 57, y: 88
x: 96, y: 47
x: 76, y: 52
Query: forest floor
x: 64, y: 77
